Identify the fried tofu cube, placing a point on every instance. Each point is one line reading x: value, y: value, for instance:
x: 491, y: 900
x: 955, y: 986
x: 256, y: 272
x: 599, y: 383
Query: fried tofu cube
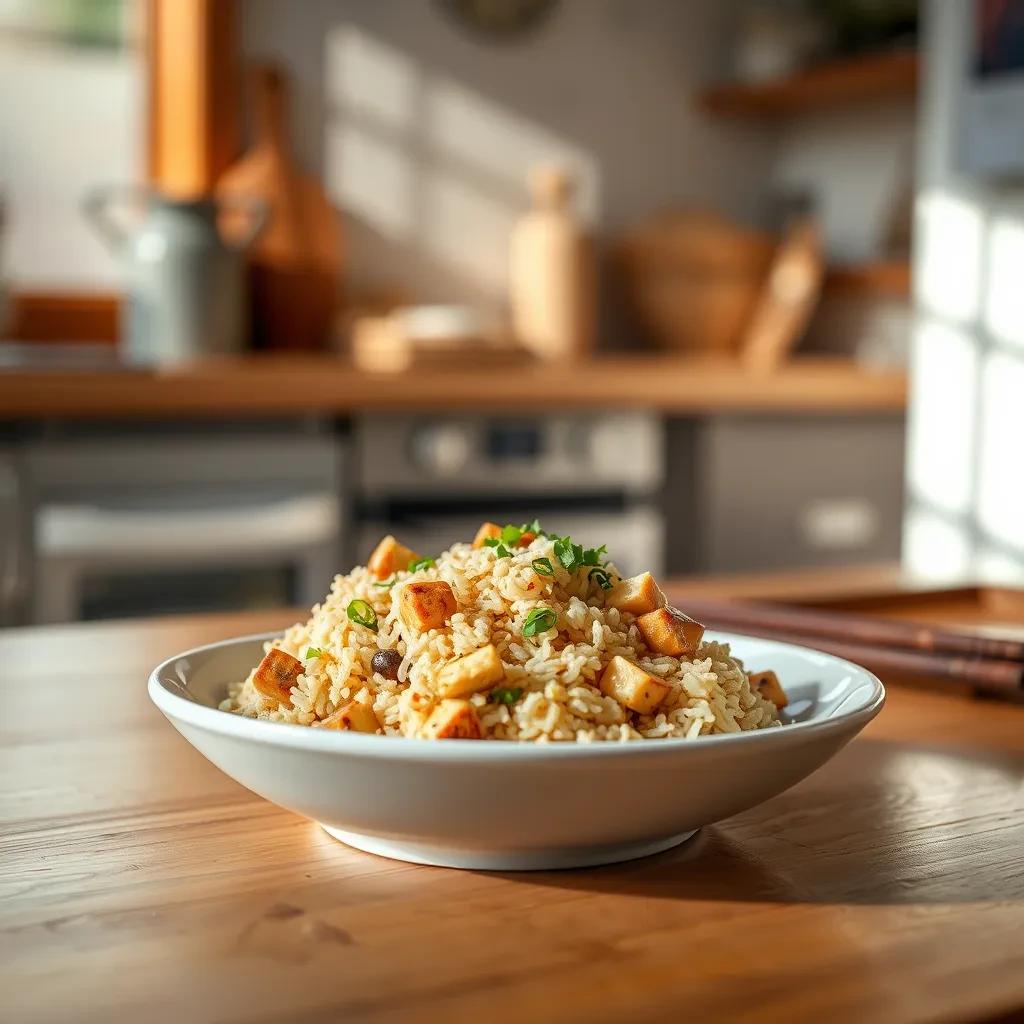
x: 631, y: 686
x: 426, y: 606
x: 471, y: 672
x: 669, y: 631
x: 637, y: 595
x: 453, y: 720
x: 768, y: 686
x: 276, y: 675
x: 354, y: 716
x: 488, y: 531
x: 390, y: 557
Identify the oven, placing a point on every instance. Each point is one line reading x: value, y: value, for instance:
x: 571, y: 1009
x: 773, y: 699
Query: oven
x: 431, y: 480
x: 181, y: 518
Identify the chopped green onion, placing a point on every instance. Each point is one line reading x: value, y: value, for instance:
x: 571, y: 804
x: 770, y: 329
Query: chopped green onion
x: 491, y: 542
x: 543, y: 567
x: 421, y: 563
x: 313, y: 652
x: 502, y: 552
x: 533, y: 527
x: 361, y: 612
x: 539, y: 621
x: 387, y: 584
x: 506, y: 695
x: 601, y: 577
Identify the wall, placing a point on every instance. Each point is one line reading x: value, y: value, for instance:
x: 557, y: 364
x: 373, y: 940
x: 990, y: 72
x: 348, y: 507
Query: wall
x: 858, y: 163
x: 965, y: 482
x: 424, y: 133
x: 77, y: 123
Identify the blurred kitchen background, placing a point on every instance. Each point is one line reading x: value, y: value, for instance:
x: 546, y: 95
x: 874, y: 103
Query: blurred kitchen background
x: 729, y: 285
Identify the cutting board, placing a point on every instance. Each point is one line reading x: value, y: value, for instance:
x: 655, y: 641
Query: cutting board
x: 295, y: 267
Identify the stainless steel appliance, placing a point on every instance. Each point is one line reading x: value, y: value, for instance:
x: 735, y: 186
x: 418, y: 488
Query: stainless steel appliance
x: 432, y: 479
x: 183, y: 518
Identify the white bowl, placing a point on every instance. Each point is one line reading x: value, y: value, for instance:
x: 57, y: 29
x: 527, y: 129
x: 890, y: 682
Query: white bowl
x: 518, y: 806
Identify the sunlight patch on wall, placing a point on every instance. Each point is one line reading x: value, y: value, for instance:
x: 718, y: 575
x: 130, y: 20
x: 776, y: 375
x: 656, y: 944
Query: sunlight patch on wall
x: 943, y: 375
x: 934, y: 547
x: 467, y: 229
x: 1004, y: 293
x: 461, y: 124
x: 1000, y: 500
x: 371, y: 178
x: 433, y: 168
x: 368, y: 77
x: 950, y: 253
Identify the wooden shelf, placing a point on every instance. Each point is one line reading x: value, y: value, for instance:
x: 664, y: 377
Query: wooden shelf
x: 886, y: 278
x: 891, y: 73
x: 296, y: 385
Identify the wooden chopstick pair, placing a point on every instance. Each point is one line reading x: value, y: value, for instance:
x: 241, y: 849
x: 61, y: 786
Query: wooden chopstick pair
x: 988, y: 663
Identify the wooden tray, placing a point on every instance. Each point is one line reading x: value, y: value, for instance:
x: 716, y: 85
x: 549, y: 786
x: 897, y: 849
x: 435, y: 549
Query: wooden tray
x: 981, y: 610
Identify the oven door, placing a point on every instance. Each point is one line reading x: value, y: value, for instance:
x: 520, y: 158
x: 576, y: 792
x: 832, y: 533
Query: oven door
x: 98, y: 562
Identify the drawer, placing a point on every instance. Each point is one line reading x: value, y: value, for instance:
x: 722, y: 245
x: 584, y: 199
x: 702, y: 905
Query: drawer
x: 789, y: 492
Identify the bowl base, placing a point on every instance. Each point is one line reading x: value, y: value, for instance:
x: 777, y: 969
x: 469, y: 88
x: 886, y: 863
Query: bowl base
x: 504, y: 860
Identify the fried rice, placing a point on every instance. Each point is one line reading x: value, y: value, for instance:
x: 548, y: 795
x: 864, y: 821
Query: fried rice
x: 551, y: 688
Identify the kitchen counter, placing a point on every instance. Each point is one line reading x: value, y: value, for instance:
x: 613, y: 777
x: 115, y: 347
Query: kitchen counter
x: 290, y: 385
x: 140, y: 882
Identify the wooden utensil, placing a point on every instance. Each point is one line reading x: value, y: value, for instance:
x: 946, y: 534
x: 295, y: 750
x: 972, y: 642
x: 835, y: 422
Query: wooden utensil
x: 788, y: 298
x: 295, y: 268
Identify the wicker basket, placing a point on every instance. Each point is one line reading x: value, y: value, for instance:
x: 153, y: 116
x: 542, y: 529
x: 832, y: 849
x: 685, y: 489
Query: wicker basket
x: 693, y: 278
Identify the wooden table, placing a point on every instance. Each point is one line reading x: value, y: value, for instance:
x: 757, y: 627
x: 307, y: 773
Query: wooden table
x: 138, y: 883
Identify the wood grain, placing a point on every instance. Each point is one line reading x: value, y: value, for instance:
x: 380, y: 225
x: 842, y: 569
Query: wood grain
x: 137, y: 882
x: 281, y: 385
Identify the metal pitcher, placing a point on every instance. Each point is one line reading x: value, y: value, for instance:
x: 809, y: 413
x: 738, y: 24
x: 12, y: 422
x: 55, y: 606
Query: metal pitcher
x: 185, y: 277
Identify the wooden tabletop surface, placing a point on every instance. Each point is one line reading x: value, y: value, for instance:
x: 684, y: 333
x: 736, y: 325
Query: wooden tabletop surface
x: 139, y: 883
x: 295, y: 384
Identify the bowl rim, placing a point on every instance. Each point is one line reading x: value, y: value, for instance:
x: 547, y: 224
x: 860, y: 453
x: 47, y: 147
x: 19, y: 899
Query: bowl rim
x: 301, y: 737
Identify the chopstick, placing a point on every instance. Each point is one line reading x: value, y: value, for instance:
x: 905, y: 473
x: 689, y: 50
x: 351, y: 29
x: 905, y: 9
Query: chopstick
x: 858, y: 628
x: 886, y: 646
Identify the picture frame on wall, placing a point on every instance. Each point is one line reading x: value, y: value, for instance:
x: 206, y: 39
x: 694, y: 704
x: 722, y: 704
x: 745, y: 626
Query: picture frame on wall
x: 991, y: 126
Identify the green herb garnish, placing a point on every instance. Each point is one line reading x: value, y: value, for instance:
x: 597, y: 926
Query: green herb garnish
x: 313, y: 652
x: 421, y: 563
x: 387, y: 584
x: 601, y: 577
x: 510, y: 535
x: 506, y: 695
x: 539, y: 621
x: 361, y: 612
x: 543, y: 567
x: 592, y: 556
x: 499, y: 548
x: 569, y: 554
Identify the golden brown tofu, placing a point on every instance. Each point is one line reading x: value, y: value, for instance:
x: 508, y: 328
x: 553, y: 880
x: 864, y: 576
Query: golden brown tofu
x: 487, y: 531
x: 276, y: 675
x: 471, y: 672
x: 453, y: 720
x: 390, y: 557
x: 637, y: 595
x: 669, y: 631
x: 426, y: 606
x: 631, y: 686
x: 354, y: 716
x: 767, y: 684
